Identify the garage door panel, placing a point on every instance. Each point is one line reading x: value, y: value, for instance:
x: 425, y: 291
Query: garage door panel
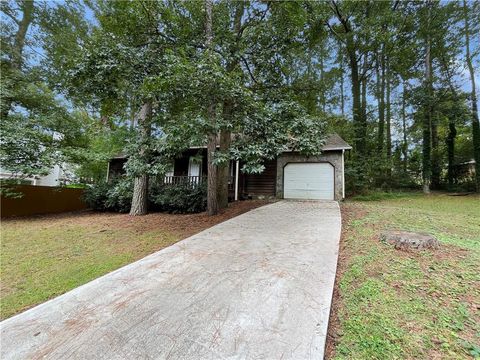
x: 309, y: 181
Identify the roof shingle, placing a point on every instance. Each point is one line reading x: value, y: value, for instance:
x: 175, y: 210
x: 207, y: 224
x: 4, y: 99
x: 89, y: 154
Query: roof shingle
x: 335, y: 142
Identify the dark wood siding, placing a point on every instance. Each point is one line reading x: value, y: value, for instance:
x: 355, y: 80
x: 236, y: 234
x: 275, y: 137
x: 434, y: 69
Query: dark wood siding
x: 261, y: 184
x: 180, y: 168
x: 115, y: 168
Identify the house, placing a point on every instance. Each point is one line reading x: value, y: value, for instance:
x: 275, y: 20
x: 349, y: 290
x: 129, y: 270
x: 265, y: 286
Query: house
x: 290, y: 176
x: 57, y: 176
x: 464, y: 172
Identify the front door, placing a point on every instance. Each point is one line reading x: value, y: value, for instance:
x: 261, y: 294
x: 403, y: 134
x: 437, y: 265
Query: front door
x: 194, y: 169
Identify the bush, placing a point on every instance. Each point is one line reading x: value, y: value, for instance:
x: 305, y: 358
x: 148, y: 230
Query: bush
x: 120, y: 196
x: 182, y: 198
x: 177, y: 199
x: 113, y: 196
x: 96, y: 196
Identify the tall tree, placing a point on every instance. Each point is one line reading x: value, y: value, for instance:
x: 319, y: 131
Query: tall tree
x: 16, y: 56
x: 140, y: 184
x: 404, y: 126
x: 388, y: 113
x: 212, y: 195
x: 38, y: 129
x: 233, y: 58
x: 473, y: 97
x: 346, y: 33
x: 427, y: 114
x: 381, y: 100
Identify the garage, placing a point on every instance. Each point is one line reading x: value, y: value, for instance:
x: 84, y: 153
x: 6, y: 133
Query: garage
x: 314, y: 181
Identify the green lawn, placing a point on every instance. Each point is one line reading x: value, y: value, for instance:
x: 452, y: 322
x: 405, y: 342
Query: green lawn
x: 44, y: 258
x: 393, y: 304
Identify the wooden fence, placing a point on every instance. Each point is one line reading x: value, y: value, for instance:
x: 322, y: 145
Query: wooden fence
x: 42, y: 200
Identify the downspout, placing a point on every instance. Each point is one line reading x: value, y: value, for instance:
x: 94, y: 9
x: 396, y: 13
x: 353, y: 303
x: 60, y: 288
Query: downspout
x: 237, y: 165
x: 343, y: 174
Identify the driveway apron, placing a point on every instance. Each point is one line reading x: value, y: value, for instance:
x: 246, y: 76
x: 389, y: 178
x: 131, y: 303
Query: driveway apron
x: 258, y: 286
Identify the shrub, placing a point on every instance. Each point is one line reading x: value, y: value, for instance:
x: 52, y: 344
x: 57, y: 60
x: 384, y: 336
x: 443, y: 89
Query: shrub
x: 96, y: 196
x: 119, y: 197
x: 182, y: 198
x: 113, y: 196
x: 177, y: 199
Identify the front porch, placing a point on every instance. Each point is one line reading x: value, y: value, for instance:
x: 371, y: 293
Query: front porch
x: 191, y: 168
x: 194, y: 180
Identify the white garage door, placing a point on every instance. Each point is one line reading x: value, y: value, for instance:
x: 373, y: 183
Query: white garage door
x: 308, y: 181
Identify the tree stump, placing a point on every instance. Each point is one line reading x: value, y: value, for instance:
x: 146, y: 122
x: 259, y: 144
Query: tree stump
x: 406, y: 240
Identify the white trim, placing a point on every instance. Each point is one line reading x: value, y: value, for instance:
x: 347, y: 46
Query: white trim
x: 337, y: 148
x: 343, y: 174
x: 108, y: 171
x: 236, y: 179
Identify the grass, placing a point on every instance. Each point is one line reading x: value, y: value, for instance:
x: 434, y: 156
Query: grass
x: 42, y: 257
x: 392, y: 304
x: 59, y: 258
x: 384, y: 195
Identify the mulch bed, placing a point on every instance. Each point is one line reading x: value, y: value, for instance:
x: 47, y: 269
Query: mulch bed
x: 183, y: 225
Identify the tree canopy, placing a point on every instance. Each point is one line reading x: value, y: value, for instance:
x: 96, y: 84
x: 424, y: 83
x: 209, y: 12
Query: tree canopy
x: 82, y: 80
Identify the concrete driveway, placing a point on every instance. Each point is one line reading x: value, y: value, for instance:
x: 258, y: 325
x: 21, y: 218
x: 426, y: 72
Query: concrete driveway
x: 258, y: 286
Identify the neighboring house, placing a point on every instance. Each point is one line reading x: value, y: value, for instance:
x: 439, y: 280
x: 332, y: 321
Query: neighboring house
x: 464, y: 172
x: 290, y: 176
x: 57, y: 176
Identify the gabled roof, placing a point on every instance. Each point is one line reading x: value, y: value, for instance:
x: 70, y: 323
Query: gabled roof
x: 335, y: 142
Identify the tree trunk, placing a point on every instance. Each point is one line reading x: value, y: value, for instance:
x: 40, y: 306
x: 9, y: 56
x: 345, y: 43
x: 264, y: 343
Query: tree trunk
x: 381, y: 105
x: 140, y: 196
x: 342, y: 93
x: 364, y: 90
x: 223, y: 169
x: 452, y: 133
x: 427, y: 120
x: 436, y: 166
x: 19, y: 43
x: 17, y: 60
x: 212, y: 200
x: 452, y: 130
x: 342, y: 80
x: 357, y: 108
x: 475, y: 121
x: 225, y: 134
x: 404, y: 128
x: 322, y: 81
x: 212, y: 190
x: 388, y: 115
x: 359, y: 140
x: 140, y: 185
